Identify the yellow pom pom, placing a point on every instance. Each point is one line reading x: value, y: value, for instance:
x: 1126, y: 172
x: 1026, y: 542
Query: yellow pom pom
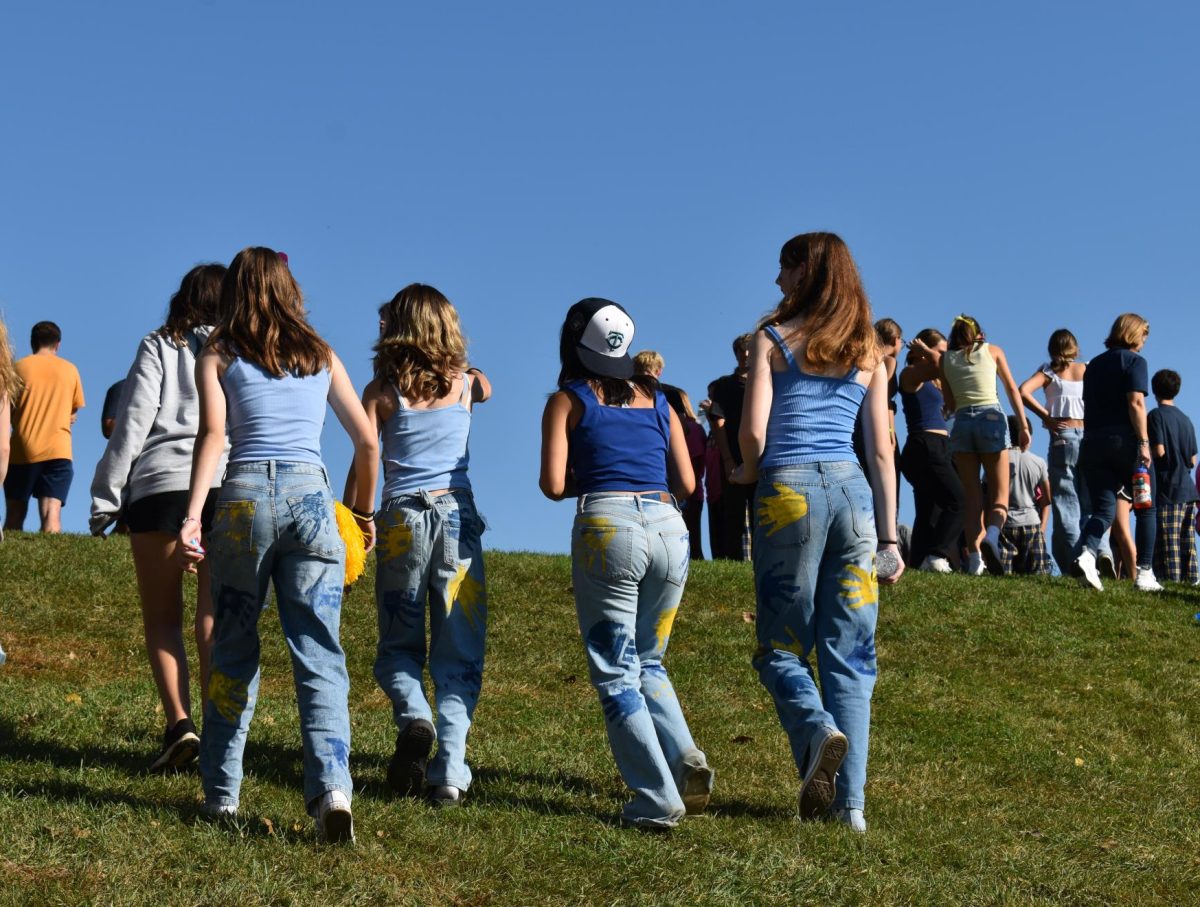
x: 356, y: 544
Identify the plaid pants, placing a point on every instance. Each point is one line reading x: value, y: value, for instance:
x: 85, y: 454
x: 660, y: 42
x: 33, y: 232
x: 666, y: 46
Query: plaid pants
x: 1175, y: 548
x: 1023, y: 551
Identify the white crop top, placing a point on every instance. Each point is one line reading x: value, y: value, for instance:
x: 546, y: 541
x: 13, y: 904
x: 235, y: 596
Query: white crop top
x: 1064, y: 399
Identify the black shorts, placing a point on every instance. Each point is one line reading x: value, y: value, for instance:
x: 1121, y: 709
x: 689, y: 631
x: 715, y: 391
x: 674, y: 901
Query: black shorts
x: 47, y: 479
x: 164, y: 512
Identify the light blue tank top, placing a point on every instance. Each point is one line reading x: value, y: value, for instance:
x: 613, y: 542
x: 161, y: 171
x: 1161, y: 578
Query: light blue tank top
x: 812, y: 416
x: 426, y: 449
x: 273, y: 418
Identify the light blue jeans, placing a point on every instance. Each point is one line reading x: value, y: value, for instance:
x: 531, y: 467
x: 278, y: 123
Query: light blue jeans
x: 430, y: 550
x: 274, y: 523
x: 629, y: 563
x: 814, y: 577
x: 1068, y: 498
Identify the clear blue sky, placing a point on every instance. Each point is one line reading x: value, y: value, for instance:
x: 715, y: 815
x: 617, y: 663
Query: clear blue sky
x: 1033, y: 164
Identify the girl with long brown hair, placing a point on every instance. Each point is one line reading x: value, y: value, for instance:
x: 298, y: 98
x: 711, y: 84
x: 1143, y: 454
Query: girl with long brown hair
x: 269, y: 374
x: 814, y: 362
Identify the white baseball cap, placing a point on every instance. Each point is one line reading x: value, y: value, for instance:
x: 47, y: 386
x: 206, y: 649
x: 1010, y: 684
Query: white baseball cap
x: 605, y: 333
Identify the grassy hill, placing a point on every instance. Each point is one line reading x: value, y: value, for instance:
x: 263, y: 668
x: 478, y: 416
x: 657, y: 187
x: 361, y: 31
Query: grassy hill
x: 1031, y: 743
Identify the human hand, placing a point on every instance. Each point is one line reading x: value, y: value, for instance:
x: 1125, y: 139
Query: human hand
x: 367, y: 527
x: 1024, y: 439
x: 188, y: 552
x: 891, y: 555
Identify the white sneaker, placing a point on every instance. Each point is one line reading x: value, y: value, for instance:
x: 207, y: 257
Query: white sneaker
x: 826, y: 751
x: 217, y: 811
x: 696, y: 784
x: 933, y: 564
x: 1106, y: 565
x: 335, y: 824
x: 1146, y: 582
x: 975, y: 564
x: 1084, y: 569
x: 852, y: 819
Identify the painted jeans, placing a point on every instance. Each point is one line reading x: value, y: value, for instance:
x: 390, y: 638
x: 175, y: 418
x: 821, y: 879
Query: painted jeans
x: 630, y: 557
x: 274, y: 523
x: 430, y: 548
x: 814, y: 577
x: 1069, y: 499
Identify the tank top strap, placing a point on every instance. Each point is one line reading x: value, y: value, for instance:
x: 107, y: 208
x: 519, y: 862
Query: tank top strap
x: 465, y: 397
x: 783, y: 347
x: 581, y: 389
x: 400, y: 404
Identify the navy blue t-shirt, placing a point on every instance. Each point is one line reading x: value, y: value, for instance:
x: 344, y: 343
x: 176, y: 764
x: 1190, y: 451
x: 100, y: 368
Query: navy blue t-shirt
x: 1173, y: 472
x: 1109, y: 378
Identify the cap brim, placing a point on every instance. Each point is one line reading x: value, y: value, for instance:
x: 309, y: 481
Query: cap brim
x: 605, y: 366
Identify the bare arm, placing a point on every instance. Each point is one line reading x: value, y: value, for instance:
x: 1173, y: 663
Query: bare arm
x: 365, y: 437
x: 756, y: 408
x: 880, y: 467
x: 1014, y: 396
x: 1136, y: 401
x: 210, y: 443
x: 555, y: 446
x: 371, y: 399
x: 5, y: 432
x: 680, y: 476
x: 481, y: 388
x: 1035, y: 382
x: 1044, y: 506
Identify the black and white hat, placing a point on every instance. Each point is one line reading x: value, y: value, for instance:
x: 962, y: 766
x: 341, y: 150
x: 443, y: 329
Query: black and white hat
x: 605, y: 332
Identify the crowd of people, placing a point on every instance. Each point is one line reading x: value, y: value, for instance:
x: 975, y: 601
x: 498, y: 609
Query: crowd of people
x: 214, y: 468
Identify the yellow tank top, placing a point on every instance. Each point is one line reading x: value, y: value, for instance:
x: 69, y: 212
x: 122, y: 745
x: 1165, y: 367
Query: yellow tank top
x: 972, y: 383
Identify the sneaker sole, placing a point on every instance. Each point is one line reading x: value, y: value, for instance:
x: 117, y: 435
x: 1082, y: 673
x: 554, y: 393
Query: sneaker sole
x: 816, y: 793
x: 180, y: 754
x: 697, y: 789
x: 991, y: 560
x: 338, y: 827
x: 406, y: 771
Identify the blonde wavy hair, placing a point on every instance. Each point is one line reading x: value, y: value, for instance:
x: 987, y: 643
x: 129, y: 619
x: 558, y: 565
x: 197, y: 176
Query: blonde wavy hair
x: 10, y: 381
x: 1127, y: 331
x: 421, y: 349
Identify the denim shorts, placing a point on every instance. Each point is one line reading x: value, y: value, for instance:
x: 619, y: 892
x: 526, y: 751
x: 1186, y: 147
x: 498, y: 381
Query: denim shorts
x: 979, y: 430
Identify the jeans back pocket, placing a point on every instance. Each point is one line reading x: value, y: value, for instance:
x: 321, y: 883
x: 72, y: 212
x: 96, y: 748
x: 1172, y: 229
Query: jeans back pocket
x: 602, y: 549
x: 313, y: 524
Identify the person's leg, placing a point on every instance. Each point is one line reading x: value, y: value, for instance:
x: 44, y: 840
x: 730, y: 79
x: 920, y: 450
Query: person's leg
x: 51, y: 488
x: 1102, y: 480
x: 14, y: 514
x: 946, y: 489
x: 734, y: 500
x: 1062, y: 460
x: 458, y: 616
x: 308, y: 573
x: 160, y: 587
x: 1189, y: 570
x: 967, y: 466
x: 715, y: 528
x: 18, y: 488
x: 204, y: 626
x: 50, y: 513
x: 1145, y: 525
x: 1168, y: 550
x: 995, y: 474
x: 609, y: 558
x: 1122, y: 539
x: 693, y: 510
x: 914, y: 461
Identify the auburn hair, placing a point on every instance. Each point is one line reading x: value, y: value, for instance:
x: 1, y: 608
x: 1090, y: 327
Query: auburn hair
x: 10, y: 381
x: 263, y: 319
x: 1063, y: 348
x: 197, y: 302
x: 966, y: 334
x: 1127, y: 331
x: 421, y: 347
x: 830, y: 300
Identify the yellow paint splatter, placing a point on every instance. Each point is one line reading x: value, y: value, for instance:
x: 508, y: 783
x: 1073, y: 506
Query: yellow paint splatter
x: 228, y: 695
x: 395, y: 541
x: 781, y: 509
x: 596, y: 533
x: 860, y: 587
x: 467, y: 592
x: 794, y: 646
x: 662, y: 629
x: 235, y: 520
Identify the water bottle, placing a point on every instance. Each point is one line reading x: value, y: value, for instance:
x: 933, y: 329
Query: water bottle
x: 887, y: 563
x: 1141, y: 488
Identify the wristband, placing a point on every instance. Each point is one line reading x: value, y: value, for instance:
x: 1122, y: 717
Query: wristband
x: 1142, y: 441
x: 365, y: 517
x: 188, y: 519
x: 886, y: 542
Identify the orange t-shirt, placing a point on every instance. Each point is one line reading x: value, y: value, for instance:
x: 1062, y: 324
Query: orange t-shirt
x: 41, y: 423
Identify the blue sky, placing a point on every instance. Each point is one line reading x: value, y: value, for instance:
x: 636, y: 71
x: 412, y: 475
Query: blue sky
x: 1032, y: 164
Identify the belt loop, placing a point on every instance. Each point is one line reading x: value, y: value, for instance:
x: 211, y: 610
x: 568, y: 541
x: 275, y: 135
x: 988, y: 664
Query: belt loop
x: 271, y: 470
x: 581, y: 503
x: 426, y: 499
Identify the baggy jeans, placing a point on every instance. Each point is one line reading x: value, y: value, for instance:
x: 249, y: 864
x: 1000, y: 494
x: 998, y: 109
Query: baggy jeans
x: 430, y: 550
x: 1069, y: 499
x: 274, y: 523
x: 814, y: 576
x: 630, y: 556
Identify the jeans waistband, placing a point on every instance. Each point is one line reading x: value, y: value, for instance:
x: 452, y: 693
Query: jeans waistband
x: 837, y: 472
x: 273, y: 468
x: 978, y: 408
x: 459, y: 496
x: 637, y: 498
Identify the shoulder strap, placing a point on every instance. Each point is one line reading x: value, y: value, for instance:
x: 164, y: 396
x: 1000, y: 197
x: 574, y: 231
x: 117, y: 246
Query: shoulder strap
x: 465, y: 397
x: 399, y: 397
x: 783, y: 347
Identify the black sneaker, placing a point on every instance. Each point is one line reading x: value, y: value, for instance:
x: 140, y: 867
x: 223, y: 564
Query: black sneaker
x: 180, y: 747
x: 406, y: 771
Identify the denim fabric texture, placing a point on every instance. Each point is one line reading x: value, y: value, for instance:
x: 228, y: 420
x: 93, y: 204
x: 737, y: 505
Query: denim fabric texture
x: 430, y: 552
x: 814, y: 576
x: 1069, y: 500
x: 979, y: 430
x: 630, y: 557
x: 1108, y: 462
x: 274, y: 523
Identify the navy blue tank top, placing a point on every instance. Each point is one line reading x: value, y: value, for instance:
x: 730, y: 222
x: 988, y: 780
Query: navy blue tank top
x: 619, y: 448
x: 923, y: 408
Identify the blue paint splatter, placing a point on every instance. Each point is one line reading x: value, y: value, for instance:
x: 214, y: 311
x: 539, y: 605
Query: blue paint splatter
x: 612, y: 643
x: 619, y: 706
x: 235, y: 605
x: 400, y: 606
x: 325, y: 597
x: 655, y: 670
x: 468, y: 681
x: 791, y: 684
x: 862, y: 656
x: 312, y: 517
x: 340, y: 750
x: 775, y: 590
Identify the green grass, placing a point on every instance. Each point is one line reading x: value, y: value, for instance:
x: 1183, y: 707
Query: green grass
x: 1031, y: 743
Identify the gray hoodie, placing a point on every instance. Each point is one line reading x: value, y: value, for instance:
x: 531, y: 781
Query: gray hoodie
x: 150, y: 450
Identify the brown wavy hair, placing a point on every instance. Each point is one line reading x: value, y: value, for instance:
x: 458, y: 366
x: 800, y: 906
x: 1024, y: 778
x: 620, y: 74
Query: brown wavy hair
x: 10, y: 381
x: 831, y: 301
x: 421, y: 347
x: 1063, y: 348
x: 263, y: 319
x: 197, y: 302
x: 966, y: 334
